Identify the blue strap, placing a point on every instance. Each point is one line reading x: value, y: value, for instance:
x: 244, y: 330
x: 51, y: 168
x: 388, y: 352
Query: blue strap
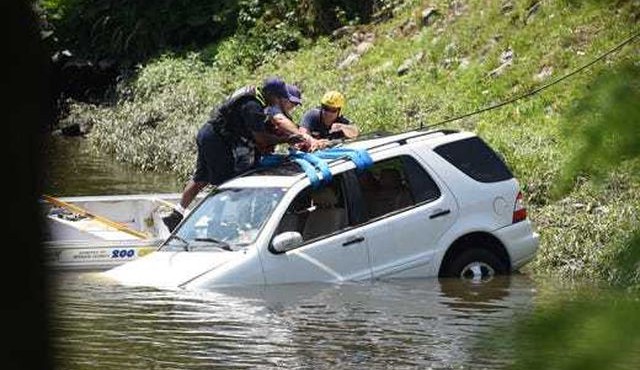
x: 271, y: 160
x: 312, y: 163
x: 359, y: 157
x: 310, y: 171
x: 318, y: 163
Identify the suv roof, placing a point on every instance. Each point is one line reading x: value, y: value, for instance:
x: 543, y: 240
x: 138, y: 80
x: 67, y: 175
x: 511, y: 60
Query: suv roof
x: 368, y: 142
x: 288, y: 173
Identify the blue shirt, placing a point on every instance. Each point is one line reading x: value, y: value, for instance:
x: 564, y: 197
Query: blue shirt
x: 312, y: 121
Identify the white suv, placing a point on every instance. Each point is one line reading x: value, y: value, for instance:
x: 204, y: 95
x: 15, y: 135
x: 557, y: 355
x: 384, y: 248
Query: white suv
x: 438, y: 203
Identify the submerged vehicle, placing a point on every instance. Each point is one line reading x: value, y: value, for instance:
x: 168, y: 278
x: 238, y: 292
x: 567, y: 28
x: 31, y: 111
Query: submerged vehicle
x: 436, y: 203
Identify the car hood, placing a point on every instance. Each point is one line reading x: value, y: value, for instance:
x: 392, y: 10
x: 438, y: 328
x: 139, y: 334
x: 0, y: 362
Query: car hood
x: 168, y: 269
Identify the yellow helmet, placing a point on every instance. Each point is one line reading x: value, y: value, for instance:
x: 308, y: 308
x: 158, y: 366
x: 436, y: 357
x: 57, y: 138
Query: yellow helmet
x: 333, y: 99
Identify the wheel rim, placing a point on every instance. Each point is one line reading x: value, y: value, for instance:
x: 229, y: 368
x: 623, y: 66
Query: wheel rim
x: 477, y: 271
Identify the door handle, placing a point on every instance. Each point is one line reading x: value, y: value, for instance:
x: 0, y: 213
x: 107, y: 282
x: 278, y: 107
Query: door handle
x: 356, y: 240
x: 440, y: 213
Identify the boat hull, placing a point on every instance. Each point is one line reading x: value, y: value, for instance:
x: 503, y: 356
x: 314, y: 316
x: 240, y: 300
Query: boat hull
x: 102, y: 232
x: 100, y: 255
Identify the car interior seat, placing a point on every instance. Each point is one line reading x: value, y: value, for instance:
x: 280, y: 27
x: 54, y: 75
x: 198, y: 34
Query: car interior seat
x: 391, y: 195
x: 327, y: 217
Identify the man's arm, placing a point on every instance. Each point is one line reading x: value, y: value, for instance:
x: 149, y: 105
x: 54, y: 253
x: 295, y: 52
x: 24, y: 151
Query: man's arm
x: 267, y: 139
x: 343, y: 124
x: 349, y: 131
x: 254, y: 118
x: 284, y: 124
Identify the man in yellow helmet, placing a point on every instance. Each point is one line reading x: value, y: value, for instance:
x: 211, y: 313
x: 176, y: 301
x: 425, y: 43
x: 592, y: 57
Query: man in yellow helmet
x: 327, y: 121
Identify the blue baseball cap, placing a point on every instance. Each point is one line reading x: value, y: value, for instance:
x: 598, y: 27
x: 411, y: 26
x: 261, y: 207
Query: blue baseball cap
x: 276, y: 86
x: 294, y: 94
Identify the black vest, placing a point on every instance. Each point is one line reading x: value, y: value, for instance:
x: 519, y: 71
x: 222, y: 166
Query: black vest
x: 226, y: 119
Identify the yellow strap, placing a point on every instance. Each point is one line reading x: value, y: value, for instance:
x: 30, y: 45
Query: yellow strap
x: 106, y: 221
x: 260, y: 97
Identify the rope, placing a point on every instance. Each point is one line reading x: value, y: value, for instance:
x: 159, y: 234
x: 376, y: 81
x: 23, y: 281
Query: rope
x: 535, y: 91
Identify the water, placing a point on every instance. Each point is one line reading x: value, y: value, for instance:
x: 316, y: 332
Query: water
x: 417, y: 323
x: 75, y: 169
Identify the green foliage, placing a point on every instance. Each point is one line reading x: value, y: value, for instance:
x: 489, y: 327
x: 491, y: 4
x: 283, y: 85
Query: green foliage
x: 603, y: 127
x: 321, y: 17
x: 256, y: 47
x: 130, y: 31
x: 269, y: 28
x: 626, y: 262
x: 585, y: 234
x: 602, y: 132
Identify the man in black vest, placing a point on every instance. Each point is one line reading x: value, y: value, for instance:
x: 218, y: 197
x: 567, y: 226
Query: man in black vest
x: 228, y: 141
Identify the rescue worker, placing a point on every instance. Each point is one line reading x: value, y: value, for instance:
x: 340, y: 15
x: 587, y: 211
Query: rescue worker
x: 279, y: 122
x: 327, y: 121
x: 236, y: 135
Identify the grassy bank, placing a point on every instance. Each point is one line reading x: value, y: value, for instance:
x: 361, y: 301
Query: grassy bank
x: 467, y: 56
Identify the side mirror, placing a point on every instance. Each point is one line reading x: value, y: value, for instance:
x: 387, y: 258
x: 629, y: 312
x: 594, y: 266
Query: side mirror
x: 286, y: 241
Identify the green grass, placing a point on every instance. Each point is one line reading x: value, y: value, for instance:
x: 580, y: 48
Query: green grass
x: 154, y: 123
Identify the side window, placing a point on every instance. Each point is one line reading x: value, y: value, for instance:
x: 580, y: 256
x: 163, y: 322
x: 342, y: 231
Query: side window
x: 395, y: 184
x: 316, y: 213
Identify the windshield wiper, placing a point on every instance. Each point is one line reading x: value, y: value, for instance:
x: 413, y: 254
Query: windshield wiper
x: 220, y: 243
x: 178, y: 238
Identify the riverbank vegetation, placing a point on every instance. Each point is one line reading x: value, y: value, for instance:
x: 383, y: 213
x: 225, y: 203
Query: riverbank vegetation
x: 404, y: 65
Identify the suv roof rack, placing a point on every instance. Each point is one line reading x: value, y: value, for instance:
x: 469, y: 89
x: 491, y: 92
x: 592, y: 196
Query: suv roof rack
x: 374, y: 135
x: 369, y: 136
x: 403, y: 140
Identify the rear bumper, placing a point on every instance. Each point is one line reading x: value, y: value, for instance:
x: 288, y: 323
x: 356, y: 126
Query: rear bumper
x: 521, y: 242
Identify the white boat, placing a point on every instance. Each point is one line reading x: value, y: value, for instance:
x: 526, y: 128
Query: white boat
x: 101, y: 232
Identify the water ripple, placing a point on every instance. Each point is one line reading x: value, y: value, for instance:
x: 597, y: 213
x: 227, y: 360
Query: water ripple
x: 399, y: 324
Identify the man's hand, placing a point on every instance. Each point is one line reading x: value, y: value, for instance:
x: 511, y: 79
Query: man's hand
x: 336, y: 127
x: 295, y: 139
x: 340, y: 130
x: 315, y: 144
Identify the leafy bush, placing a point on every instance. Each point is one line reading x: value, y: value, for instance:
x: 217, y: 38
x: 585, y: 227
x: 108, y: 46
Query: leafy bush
x: 131, y: 31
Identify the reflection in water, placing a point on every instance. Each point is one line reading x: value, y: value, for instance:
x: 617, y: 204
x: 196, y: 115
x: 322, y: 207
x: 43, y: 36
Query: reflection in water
x: 74, y: 168
x: 404, y: 323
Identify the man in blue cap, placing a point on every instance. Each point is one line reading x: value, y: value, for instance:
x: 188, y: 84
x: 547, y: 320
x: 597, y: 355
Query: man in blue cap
x: 244, y: 127
x: 280, y: 123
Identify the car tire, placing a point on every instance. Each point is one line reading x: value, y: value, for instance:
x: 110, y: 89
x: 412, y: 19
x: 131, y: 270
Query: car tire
x: 476, y: 265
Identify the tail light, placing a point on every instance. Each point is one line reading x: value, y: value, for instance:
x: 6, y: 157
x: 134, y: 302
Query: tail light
x: 519, y: 210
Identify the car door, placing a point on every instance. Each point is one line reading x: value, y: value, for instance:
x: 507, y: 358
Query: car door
x: 408, y: 211
x: 333, y: 249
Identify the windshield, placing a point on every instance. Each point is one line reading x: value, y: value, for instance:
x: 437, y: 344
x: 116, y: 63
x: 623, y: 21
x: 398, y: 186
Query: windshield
x: 228, y: 218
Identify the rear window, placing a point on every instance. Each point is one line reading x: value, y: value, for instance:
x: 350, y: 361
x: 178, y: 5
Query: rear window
x: 473, y: 157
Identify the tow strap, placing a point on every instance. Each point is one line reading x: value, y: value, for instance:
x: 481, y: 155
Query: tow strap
x: 311, y: 163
